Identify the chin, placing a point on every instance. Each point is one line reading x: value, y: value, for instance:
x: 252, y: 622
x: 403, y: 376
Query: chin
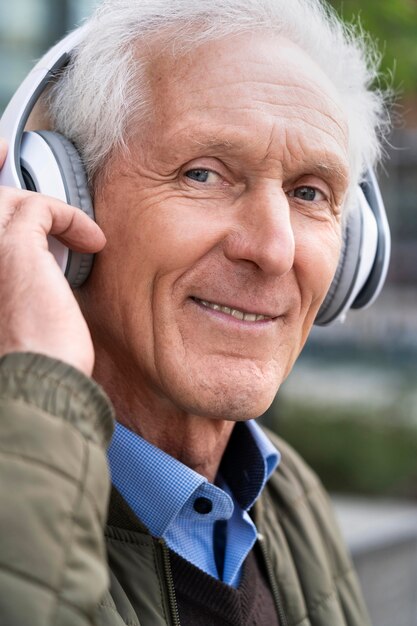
x: 236, y: 396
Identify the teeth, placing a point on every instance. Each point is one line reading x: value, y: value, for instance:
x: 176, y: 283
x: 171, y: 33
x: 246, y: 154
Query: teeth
x: 237, y: 314
x: 240, y: 315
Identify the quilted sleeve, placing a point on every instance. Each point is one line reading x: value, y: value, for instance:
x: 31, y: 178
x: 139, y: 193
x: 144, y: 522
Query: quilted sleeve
x: 54, y: 426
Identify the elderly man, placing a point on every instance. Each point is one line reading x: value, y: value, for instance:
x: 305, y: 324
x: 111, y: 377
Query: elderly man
x: 222, y: 144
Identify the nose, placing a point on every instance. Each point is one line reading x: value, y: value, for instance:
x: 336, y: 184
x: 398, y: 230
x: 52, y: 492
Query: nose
x: 263, y: 234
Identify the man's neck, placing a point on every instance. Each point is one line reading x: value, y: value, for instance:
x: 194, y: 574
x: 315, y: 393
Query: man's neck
x: 198, y: 442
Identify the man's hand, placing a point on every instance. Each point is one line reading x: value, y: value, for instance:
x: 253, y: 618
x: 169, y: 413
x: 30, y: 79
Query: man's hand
x: 38, y: 311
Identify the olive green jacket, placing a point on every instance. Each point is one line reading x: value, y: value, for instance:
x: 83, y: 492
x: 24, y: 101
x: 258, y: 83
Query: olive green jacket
x: 58, y: 568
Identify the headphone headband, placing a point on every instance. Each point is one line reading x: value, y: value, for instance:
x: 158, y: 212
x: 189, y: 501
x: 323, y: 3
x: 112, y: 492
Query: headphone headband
x: 15, y: 116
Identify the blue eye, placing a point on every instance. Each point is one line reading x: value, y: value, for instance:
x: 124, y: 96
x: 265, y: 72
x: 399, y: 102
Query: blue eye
x: 201, y: 176
x: 305, y: 193
x: 308, y: 194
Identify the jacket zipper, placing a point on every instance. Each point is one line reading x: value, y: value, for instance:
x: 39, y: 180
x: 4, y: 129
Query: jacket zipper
x: 274, y: 586
x: 170, y: 584
x: 171, y: 589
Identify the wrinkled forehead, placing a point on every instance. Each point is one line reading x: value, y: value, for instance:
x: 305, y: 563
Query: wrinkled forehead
x: 256, y: 90
x: 245, y: 62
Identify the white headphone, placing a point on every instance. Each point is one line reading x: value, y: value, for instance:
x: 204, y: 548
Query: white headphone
x: 47, y: 162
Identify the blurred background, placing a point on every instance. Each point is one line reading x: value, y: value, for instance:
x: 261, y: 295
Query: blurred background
x: 350, y: 405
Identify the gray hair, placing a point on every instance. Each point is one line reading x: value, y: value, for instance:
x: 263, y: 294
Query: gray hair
x: 104, y: 89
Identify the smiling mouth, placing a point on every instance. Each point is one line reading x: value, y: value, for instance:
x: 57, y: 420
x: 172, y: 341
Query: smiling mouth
x: 236, y: 313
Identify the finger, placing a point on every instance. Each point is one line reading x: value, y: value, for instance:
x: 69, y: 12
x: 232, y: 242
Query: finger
x: 78, y: 231
x: 48, y: 216
x: 3, y: 151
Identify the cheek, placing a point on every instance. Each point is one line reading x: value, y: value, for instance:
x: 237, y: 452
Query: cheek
x: 147, y: 253
x: 317, y: 255
x: 166, y: 237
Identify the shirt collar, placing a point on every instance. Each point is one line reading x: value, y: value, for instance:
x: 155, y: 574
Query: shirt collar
x: 248, y: 462
x: 146, y: 475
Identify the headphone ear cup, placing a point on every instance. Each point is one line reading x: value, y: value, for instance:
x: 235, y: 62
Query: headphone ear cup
x: 76, y: 187
x: 344, y: 279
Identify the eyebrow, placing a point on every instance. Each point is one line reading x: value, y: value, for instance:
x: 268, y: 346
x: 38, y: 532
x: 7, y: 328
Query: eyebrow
x: 331, y: 168
x: 221, y: 145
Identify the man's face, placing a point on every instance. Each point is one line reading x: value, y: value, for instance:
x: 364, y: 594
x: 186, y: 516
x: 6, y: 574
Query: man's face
x: 223, y: 227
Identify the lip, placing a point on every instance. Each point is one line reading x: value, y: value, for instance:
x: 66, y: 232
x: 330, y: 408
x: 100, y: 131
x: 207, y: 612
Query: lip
x: 244, y: 308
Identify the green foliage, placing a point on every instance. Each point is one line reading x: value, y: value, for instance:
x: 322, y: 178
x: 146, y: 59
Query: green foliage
x: 394, y: 25
x: 351, y: 453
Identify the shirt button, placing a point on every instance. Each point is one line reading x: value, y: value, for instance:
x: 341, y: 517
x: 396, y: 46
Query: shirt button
x: 203, y: 505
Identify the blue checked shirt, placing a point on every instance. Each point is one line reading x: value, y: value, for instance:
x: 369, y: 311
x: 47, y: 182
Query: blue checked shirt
x: 181, y: 506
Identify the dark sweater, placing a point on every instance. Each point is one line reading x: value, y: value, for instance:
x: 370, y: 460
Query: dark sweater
x: 205, y: 601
